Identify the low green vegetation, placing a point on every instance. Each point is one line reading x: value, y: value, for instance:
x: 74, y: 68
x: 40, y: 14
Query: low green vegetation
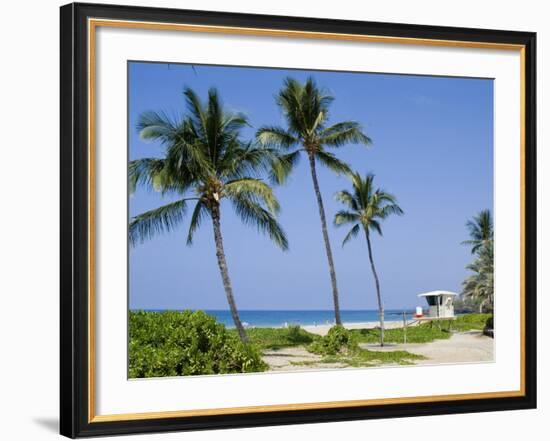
x: 276, y: 338
x: 177, y: 343
x: 468, y: 322
x: 425, y: 332
x: 341, y: 346
x: 337, y: 341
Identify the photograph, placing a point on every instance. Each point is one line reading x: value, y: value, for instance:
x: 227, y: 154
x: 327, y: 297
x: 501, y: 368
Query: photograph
x: 284, y: 219
x: 290, y: 220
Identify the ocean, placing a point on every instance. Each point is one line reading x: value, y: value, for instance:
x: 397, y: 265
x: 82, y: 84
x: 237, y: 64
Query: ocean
x: 273, y: 318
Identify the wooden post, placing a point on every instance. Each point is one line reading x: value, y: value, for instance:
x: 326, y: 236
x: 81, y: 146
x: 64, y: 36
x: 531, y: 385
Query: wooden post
x: 404, y: 328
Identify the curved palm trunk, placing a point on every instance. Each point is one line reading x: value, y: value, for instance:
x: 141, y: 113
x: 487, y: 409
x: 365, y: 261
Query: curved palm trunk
x: 378, y: 295
x: 325, y: 237
x: 222, y: 264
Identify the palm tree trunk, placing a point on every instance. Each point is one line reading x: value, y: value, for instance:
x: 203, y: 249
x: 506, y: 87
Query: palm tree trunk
x: 378, y: 295
x: 327, y: 241
x: 222, y: 264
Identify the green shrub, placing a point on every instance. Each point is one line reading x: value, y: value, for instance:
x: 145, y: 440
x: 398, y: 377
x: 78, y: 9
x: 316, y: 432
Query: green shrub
x: 337, y: 341
x: 186, y: 343
x: 469, y: 322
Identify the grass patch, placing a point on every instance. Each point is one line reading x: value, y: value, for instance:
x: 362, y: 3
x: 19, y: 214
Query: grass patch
x: 341, y: 345
x: 425, y: 332
x: 468, y: 322
x: 276, y: 338
x: 365, y: 358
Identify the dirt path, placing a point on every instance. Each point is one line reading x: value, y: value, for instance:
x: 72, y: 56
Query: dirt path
x: 463, y: 347
x: 295, y: 359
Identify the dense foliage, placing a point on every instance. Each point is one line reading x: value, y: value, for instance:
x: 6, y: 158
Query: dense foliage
x: 338, y: 340
x: 186, y: 343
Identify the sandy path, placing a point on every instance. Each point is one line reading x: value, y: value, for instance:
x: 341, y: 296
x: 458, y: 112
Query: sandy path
x: 462, y: 347
x: 283, y: 360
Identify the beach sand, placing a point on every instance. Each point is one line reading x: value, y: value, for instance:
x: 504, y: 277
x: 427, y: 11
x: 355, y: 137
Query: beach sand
x: 323, y: 329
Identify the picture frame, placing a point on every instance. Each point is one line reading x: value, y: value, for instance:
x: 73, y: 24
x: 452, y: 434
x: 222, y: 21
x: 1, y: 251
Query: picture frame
x: 78, y: 247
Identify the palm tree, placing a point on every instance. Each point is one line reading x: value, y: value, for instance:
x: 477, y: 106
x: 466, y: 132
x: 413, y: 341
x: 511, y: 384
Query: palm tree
x: 366, y: 208
x: 480, y: 229
x: 479, y: 287
x: 305, y: 109
x: 205, y: 161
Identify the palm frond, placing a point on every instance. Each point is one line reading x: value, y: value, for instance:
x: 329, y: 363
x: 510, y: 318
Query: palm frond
x: 345, y: 217
x: 375, y: 225
x: 159, y: 220
x: 199, y: 212
x: 144, y: 172
x: 156, y: 126
x: 332, y: 162
x: 276, y: 137
x: 283, y: 165
x: 480, y: 229
x: 347, y: 198
x: 197, y: 113
x: 289, y: 100
x: 253, y: 189
x: 244, y: 160
x: 253, y: 214
x: 351, y: 234
x: 386, y: 210
x: 343, y: 133
x: 234, y: 122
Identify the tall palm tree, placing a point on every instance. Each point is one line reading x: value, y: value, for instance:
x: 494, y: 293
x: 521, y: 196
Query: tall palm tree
x: 366, y: 208
x: 480, y: 229
x: 305, y: 108
x: 479, y: 287
x: 205, y: 161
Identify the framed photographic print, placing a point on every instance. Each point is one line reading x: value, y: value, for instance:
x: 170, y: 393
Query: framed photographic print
x: 274, y: 220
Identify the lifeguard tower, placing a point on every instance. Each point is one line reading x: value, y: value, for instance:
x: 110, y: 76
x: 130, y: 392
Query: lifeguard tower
x: 440, y: 304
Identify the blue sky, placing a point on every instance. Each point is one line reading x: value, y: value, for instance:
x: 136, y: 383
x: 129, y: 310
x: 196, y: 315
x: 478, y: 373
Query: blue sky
x: 432, y: 148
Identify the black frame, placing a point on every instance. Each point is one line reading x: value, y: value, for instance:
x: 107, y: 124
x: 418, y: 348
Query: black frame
x: 74, y: 220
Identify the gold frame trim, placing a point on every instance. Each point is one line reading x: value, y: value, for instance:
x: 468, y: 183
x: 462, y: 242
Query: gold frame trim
x: 92, y: 25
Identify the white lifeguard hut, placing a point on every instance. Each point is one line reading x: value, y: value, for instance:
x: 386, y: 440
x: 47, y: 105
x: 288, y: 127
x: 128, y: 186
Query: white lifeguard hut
x: 440, y: 304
